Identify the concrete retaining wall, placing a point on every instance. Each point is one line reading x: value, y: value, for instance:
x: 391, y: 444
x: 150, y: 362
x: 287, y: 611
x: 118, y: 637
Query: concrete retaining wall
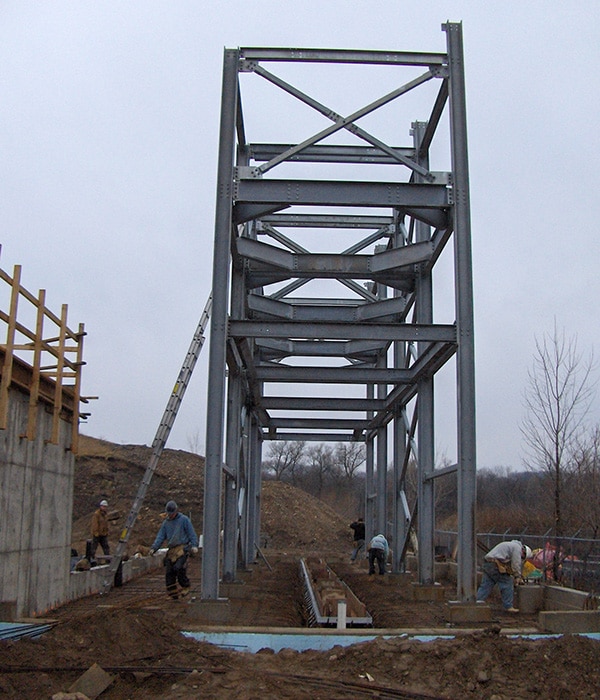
x: 84, y: 583
x: 36, y: 495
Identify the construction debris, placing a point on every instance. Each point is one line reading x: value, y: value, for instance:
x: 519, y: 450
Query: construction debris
x: 93, y: 682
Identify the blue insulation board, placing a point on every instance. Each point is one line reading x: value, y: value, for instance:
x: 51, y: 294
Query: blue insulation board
x: 255, y: 641
x: 16, y: 630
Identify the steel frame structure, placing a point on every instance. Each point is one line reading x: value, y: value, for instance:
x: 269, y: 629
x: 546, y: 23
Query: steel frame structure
x: 360, y: 365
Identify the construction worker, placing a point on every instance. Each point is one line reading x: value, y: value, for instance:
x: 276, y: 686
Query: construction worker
x: 358, y: 528
x: 379, y: 551
x: 178, y: 532
x: 99, y: 529
x: 502, y: 566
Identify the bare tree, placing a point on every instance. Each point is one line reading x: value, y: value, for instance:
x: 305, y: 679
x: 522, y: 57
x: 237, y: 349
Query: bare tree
x: 349, y: 456
x: 320, y: 466
x: 194, y: 441
x: 557, y: 399
x: 585, y: 488
x: 284, y: 458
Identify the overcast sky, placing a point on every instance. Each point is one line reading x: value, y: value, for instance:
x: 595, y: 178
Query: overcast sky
x: 109, y: 117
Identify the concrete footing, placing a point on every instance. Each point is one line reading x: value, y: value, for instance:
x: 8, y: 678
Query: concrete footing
x: 233, y: 589
x: 428, y: 592
x: 468, y: 612
x: 529, y: 599
x: 569, y: 621
x: 209, y: 612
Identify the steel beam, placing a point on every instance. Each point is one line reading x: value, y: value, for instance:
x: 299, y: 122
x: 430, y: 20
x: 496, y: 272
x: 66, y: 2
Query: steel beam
x: 284, y: 193
x: 343, y: 331
x: 318, y: 403
x: 386, y: 58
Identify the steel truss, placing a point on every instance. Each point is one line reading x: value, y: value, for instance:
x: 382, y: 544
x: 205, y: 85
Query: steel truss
x: 359, y: 364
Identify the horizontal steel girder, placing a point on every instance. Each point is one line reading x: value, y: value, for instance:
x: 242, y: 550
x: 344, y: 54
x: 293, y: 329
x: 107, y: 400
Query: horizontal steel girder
x: 328, y: 221
x: 320, y: 403
x: 250, y: 195
x: 313, y: 437
x: 320, y: 265
x: 391, y: 309
x: 328, y: 154
x: 410, y: 332
x: 387, y: 58
x: 320, y: 423
x: 278, y: 348
x: 350, y: 374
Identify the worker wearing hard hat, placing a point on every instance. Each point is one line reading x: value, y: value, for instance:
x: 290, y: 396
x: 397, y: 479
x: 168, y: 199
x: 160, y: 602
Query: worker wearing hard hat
x: 99, y: 528
x: 503, y: 565
x: 178, y: 532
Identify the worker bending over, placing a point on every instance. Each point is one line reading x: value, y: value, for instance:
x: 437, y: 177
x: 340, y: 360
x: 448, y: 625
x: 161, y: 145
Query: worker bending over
x: 379, y: 551
x: 503, y: 565
x: 178, y: 532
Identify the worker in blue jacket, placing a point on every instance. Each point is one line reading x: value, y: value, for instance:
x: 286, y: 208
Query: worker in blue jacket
x: 178, y: 532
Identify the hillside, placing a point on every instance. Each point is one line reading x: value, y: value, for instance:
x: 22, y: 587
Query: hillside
x: 290, y: 518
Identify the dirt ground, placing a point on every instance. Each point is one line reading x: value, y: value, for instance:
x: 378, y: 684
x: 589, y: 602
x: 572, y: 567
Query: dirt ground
x: 134, y: 631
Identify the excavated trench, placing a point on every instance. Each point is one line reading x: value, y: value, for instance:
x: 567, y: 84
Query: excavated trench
x: 329, y: 602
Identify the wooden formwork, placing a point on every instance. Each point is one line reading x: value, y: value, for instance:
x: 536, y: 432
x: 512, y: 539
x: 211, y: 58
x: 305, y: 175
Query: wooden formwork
x: 44, y: 360
x: 324, y: 592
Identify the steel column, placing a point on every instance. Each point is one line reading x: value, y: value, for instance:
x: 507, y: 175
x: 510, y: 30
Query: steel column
x: 426, y: 435
x: 218, y: 333
x: 467, y: 484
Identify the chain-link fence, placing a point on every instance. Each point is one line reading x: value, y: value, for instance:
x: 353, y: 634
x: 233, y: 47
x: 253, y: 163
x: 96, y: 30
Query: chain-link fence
x: 570, y: 561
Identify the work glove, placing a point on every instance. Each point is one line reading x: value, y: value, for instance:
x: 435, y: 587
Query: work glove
x: 193, y: 551
x: 151, y: 552
x: 518, y: 581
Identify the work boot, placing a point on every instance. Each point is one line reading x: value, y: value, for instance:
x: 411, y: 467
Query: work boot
x: 184, y: 592
x: 511, y: 610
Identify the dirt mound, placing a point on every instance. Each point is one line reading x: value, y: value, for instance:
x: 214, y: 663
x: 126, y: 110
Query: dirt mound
x: 290, y: 518
x: 106, y: 470
x: 294, y: 519
x: 150, y: 659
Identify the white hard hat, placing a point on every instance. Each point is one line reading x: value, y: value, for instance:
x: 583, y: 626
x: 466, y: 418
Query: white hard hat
x: 104, y: 503
x: 528, y: 551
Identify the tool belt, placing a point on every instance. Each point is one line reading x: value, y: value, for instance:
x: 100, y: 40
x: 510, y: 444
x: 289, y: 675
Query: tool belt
x: 173, y: 553
x: 503, y: 567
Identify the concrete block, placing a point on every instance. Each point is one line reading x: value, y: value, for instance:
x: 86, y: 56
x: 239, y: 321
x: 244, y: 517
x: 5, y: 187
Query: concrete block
x: 569, y: 621
x: 529, y: 599
x: 468, y: 612
x: 209, y: 612
x: 234, y: 589
x: 426, y: 592
x: 92, y: 683
x: 558, y: 598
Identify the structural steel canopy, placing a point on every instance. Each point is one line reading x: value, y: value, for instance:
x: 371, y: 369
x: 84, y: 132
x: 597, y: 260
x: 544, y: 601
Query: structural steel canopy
x: 334, y: 206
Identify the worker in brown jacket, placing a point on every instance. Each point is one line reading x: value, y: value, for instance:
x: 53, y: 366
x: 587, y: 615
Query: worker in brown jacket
x: 99, y: 529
